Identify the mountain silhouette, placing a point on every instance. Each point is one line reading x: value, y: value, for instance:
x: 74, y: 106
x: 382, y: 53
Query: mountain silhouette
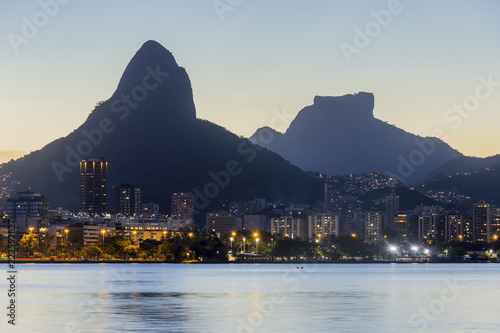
x: 149, y: 134
x: 481, y: 184
x: 463, y: 164
x: 340, y: 135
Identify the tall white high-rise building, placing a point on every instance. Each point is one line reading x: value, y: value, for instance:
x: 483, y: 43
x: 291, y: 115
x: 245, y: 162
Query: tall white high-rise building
x: 373, y: 226
x: 481, y: 222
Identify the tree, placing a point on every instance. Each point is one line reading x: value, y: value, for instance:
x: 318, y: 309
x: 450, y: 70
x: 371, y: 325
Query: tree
x: 115, y: 246
x: 173, y: 249
x: 91, y: 251
x: 29, y: 243
x: 349, y: 246
x: 288, y: 248
x: 165, y: 251
x: 46, y: 243
x: 130, y: 250
x: 149, y: 248
x: 3, y: 244
x: 209, y: 248
x: 149, y: 244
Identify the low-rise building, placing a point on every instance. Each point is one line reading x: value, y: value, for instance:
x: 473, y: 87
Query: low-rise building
x: 91, y: 234
x: 27, y: 204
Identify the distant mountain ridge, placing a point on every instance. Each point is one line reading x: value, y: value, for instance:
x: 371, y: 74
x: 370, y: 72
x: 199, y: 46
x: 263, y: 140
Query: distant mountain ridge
x: 463, y: 164
x: 340, y: 135
x: 149, y: 134
x: 479, y: 185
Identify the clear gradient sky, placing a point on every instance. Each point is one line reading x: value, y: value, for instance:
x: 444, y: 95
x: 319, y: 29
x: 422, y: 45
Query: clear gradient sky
x: 265, y: 55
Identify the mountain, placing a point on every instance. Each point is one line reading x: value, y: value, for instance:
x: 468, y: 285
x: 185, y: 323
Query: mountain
x: 409, y: 199
x: 479, y: 185
x: 149, y: 134
x: 463, y: 164
x: 340, y: 135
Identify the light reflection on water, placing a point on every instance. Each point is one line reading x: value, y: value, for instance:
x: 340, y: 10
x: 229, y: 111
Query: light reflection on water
x: 258, y: 298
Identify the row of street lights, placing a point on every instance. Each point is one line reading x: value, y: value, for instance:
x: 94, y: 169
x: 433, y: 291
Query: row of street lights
x: 414, y: 248
x: 255, y: 235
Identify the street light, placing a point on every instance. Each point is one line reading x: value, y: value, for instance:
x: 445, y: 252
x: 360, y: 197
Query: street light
x: 256, y: 235
x: 244, y: 239
x: 134, y: 232
x: 66, y: 231
x: 103, y: 231
x: 31, y: 229
x: 393, y: 249
x: 231, y: 239
x: 164, y: 235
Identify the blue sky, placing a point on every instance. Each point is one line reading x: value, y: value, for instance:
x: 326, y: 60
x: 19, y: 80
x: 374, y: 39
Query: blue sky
x: 264, y: 57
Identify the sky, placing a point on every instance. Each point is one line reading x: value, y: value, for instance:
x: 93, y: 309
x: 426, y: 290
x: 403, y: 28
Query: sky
x: 433, y: 66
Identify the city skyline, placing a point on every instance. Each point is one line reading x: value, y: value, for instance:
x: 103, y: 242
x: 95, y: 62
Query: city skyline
x: 250, y: 165
x: 245, y: 74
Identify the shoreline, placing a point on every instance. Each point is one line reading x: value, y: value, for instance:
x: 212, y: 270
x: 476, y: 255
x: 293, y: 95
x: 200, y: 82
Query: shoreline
x: 237, y: 262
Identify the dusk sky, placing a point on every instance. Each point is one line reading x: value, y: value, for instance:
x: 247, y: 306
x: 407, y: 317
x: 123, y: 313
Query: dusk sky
x: 259, y: 58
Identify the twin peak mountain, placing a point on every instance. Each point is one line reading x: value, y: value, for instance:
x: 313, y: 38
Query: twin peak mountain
x: 149, y: 134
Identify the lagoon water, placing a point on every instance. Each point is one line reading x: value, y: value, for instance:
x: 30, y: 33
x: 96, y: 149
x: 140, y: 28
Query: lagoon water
x: 256, y: 298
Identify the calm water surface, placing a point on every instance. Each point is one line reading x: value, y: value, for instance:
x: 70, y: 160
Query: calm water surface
x: 257, y: 298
